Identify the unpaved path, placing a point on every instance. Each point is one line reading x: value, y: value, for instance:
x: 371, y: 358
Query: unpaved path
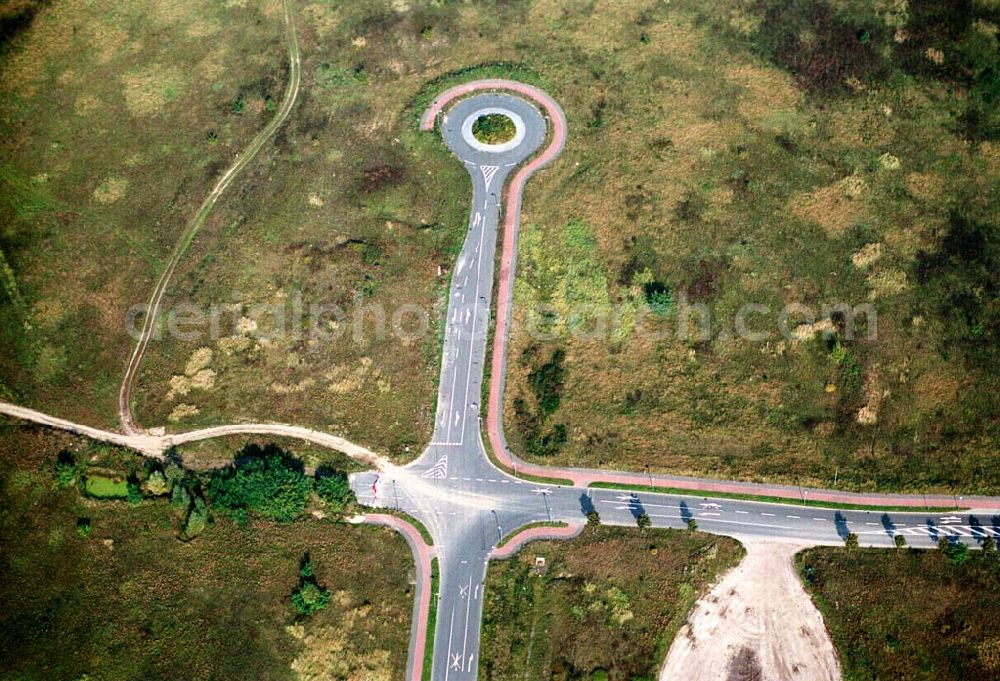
x: 757, y: 624
x: 155, y: 445
x: 242, y: 160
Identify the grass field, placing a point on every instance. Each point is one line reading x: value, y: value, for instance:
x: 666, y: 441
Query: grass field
x: 719, y: 154
x: 116, y: 120
x: 100, y: 487
x: 607, y: 605
x: 130, y: 600
x: 908, y: 614
x: 716, y: 151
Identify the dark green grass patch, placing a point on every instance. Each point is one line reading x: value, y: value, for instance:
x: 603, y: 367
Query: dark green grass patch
x: 908, y: 614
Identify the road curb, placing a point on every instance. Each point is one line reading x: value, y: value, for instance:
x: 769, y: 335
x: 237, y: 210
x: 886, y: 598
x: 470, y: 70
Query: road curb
x: 422, y: 555
x: 524, y: 537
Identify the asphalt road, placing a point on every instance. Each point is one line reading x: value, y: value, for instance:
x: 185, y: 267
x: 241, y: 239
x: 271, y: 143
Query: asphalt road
x: 469, y: 505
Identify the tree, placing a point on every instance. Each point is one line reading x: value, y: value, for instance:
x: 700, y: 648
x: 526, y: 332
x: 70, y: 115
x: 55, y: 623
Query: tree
x: 692, y: 524
x: 851, y: 541
x: 134, y: 493
x: 156, y: 484
x: 334, y: 488
x: 899, y: 540
x: 65, y: 469
x: 83, y: 527
x: 174, y: 473
x: 180, y: 498
x: 643, y: 521
x: 957, y: 552
x: 264, y: 480
x: 309, y: 597
x: 593, y: 520
x: 196, y: 520
x: 989, y: 545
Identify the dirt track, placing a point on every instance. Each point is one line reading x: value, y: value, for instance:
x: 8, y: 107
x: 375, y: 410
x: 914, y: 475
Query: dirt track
x: 757, y: 624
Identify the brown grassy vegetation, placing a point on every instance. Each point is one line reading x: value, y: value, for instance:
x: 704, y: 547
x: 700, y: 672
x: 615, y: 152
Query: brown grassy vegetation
x: 769, y: 167
x: 606, y: 606
x: 908, y: 614
x: 130, y: 600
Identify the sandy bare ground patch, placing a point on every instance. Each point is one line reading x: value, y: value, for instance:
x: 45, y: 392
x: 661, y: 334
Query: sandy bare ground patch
x: 757, y: 623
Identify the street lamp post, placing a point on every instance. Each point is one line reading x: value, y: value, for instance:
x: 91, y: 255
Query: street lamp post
x: 499, y: 531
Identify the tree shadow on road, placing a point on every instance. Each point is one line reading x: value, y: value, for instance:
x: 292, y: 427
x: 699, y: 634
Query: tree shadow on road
x: 841, y: 522
x: 890, y: 527
x: 978, y: 531
x: 635, y: 506
x: 686, y: 515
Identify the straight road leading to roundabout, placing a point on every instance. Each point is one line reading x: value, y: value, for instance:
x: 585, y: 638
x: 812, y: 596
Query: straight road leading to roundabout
x: 469, y: 505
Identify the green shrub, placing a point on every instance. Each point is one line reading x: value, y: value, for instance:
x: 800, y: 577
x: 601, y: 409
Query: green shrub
x: 659, y: 298
x: 133, y: 492
x: 547, y: 382
x: 334, y: 487
x: 265, y: 480
x: 83, y: 527
x: 493, y: 129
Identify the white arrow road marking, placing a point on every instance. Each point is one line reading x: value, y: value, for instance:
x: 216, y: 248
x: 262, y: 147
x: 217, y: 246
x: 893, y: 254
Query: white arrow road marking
x: 468, y: 609
x: 542, y: 490
x: 950, y: 519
